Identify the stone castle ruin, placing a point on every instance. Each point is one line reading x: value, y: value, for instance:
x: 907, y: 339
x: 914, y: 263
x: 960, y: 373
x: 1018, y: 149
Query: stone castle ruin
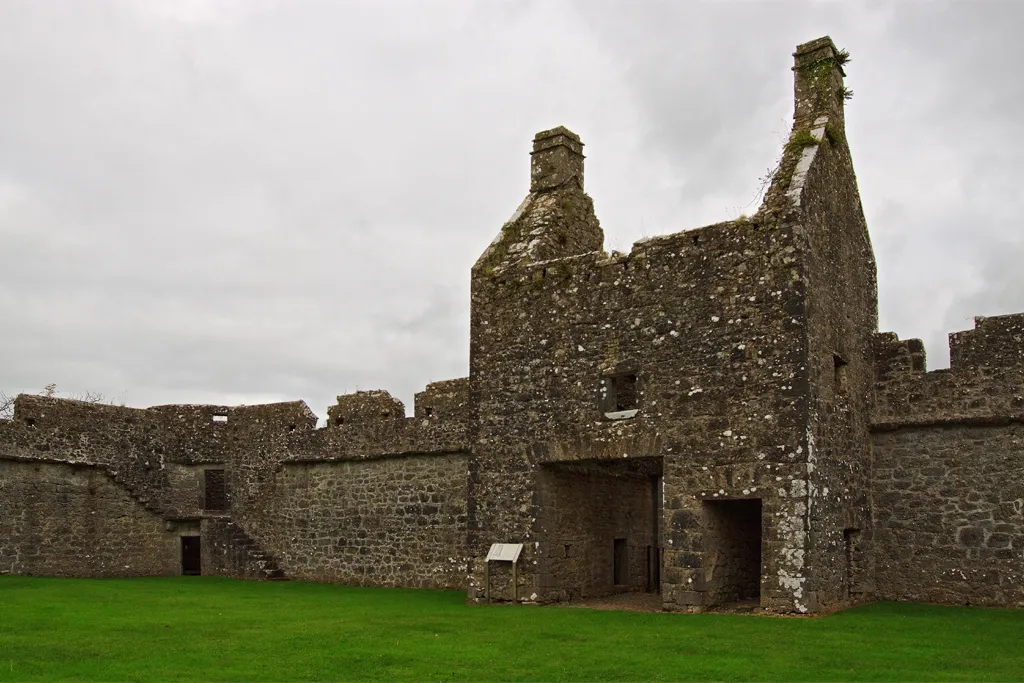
x: 711, y: 418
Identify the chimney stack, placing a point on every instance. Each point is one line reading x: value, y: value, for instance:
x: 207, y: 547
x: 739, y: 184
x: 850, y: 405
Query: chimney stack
x: 557, y: 158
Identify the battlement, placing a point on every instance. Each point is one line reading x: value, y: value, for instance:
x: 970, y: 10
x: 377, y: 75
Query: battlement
x: 366, y: 408
x: 995, y: 342
x: 443, y: 400
x: 983, y: 384
x: 84, y: 417
x: 372, y: 424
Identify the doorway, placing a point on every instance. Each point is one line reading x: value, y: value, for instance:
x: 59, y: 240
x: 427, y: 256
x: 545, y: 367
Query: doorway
x: 620, y: 562
x: 732, y: 551
x: 191, y: 557
x: 596, y: 521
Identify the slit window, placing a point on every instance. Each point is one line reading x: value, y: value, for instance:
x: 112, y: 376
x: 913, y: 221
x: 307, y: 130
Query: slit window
x: 839, y: 366
x: 220, y: 418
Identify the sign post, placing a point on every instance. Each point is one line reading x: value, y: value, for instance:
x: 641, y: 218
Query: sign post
x: 503, y: 552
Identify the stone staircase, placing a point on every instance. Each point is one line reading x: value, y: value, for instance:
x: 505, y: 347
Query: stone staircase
x: 142, y: 500
x: 240, y: 555
x: 237, y: 553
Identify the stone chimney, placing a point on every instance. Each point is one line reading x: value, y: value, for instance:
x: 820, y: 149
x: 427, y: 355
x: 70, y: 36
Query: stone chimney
x: 557, y: 217
x: 557, y: 158
x: 818, y: 88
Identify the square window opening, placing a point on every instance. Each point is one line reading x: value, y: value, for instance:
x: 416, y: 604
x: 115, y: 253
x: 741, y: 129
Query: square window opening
x: 215, y: 490
x: 620, y: 393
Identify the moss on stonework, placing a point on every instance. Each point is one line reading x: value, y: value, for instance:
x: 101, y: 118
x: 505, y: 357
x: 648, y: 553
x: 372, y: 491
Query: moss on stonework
x: 800, y: 139
x: 512, y: 232
x: 820, y: 73
x: 834, y: 134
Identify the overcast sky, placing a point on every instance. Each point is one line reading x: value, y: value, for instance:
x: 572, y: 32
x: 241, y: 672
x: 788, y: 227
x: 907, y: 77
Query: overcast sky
x: 246, y: 201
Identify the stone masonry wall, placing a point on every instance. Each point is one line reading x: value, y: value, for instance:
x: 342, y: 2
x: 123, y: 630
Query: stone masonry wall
x: 74, y: 520
x: 949, y: 514
x: 842, y: 304
x: 397, y: 521
x: 948, y: 468
x: 158, y: 456
x: 732, y: 331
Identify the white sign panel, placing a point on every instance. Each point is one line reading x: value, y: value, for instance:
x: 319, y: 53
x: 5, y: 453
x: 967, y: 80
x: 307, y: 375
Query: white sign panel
x: 504, y: 552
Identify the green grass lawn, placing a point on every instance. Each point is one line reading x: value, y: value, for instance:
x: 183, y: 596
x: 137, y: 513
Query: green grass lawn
x: 199, y: 628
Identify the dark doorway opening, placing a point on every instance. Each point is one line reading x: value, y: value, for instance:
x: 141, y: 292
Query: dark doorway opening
x: 191, y: 558
x: 599, y: 527
x: 620, y: 566
x: 653, y: 569
x: 732, y: 551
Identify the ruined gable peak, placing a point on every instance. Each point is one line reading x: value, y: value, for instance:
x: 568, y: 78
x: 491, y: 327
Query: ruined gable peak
x: 556, y: 219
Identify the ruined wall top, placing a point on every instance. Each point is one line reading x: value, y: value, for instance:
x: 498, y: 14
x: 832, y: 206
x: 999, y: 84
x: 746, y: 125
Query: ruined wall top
x: 982, y: 385
x: 556, y: 219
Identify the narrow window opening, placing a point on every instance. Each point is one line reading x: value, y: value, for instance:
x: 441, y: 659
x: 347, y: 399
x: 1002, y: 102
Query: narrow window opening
x: 429, y: 412
x: 625, y: 392
x: 840, y: 373
x: 620, y: 566
x: 215, y: 490
x: 30, y: 421
x: 851, y: 544
x: 291, y: 428
x: 387, y: 413
x: 220, y: 418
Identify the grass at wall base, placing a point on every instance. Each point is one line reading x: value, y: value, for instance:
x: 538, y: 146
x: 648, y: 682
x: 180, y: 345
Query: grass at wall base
x: 203, y: 628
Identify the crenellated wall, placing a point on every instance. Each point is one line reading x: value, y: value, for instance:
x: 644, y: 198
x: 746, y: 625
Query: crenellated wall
x: 157, y: 459
x: 948, y: 468
x: 982, y: 385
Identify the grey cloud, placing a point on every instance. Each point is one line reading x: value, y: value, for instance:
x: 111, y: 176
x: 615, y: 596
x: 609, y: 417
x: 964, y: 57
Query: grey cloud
x: 246, y: 201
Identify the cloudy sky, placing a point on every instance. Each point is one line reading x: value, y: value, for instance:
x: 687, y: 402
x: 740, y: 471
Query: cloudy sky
x: 242, y: 201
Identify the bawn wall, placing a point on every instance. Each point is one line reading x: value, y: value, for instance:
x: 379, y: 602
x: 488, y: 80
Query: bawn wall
x: 949, y: 514
x: 155, y: 458
x: 392, y: 521
x: 948, y: 468
x: 58, y: 519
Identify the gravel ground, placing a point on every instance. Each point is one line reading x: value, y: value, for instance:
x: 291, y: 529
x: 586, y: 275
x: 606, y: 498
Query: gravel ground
x: 631, y: 602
